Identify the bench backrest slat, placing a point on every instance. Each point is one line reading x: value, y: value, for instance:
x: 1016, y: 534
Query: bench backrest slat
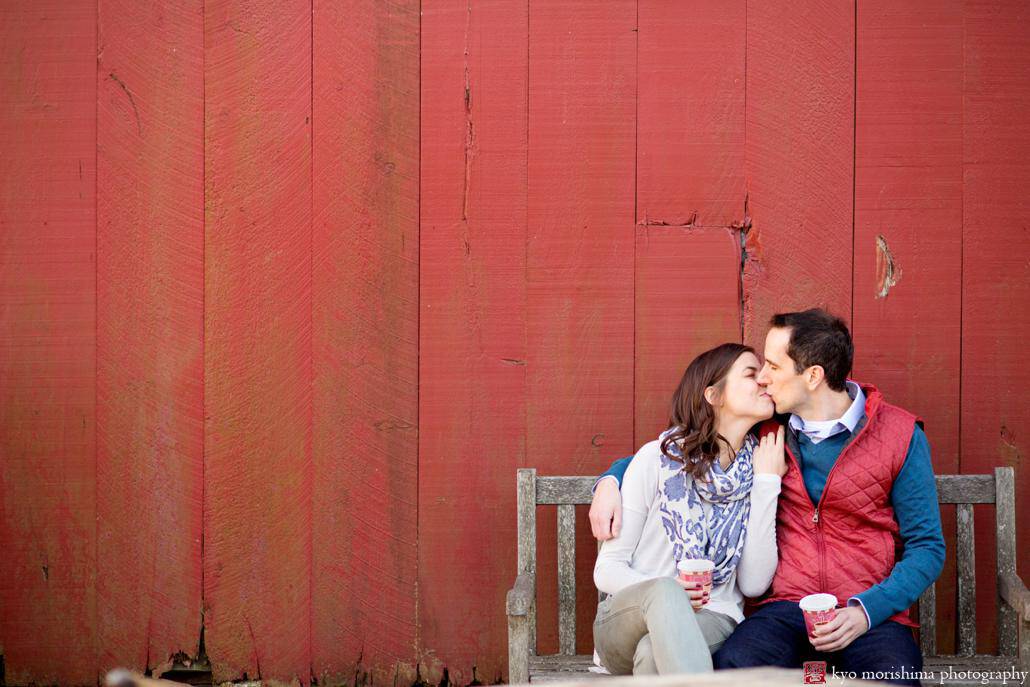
x: 526, y: 498
x: 567, y: 579
x: 1005, y: 521
x: 950, y: 489
x: 569, y: 490
x: 965, y: 488
x: 928, y: 621
x: 965, y: 550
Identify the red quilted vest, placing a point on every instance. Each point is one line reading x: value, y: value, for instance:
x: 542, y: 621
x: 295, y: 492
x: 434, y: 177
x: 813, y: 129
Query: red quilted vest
x: 848, y: 543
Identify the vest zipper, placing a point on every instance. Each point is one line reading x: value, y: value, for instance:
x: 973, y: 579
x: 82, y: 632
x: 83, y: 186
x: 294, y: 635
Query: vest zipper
x: 822, y: 554
x: 815, y: 512
x: 822, y: 497
x: 820, y: 540
x: 815, y: 518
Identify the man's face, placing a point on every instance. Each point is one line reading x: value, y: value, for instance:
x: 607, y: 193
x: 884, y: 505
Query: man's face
x: 778, y: 375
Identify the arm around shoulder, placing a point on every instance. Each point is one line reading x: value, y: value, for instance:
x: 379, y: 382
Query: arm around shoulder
x: 616, y: 471
x: 612, y: 571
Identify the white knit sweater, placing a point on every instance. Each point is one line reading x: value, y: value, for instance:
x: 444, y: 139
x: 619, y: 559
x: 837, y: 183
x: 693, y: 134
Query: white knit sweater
x: 642, y: 550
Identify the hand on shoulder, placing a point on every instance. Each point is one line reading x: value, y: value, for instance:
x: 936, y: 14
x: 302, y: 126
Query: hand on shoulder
x: 770, y: 456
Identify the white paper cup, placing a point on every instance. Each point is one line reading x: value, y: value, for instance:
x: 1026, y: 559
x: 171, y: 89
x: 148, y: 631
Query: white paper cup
x: 697, y: 572
x: 818, y: 609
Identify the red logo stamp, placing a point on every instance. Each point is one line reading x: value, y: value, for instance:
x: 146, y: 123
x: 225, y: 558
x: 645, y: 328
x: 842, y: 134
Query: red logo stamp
x: 815, y: 673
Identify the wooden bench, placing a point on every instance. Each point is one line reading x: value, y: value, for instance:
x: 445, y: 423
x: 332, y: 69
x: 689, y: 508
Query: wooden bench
x: 1013, y: 599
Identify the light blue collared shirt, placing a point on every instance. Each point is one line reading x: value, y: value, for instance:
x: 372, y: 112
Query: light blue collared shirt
x: 817, y: 430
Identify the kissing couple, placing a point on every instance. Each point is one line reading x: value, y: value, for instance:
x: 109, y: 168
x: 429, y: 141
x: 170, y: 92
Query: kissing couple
x: 780, y: 480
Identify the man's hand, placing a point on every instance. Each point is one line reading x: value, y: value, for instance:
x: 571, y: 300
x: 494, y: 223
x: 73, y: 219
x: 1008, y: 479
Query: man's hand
x: 769, y: 457
x: 606, y: 510
x: 849, y: 624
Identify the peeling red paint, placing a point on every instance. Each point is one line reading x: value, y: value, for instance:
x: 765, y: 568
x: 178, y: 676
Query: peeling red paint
x: 887, y: 271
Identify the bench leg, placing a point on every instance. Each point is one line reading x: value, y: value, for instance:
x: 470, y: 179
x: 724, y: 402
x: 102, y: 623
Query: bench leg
x: 518, y: 649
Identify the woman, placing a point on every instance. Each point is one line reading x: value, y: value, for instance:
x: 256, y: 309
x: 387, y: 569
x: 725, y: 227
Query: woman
x: 706, y: 488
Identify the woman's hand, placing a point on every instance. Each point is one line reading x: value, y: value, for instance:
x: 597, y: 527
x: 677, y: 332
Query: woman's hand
x: 769, y: 458
x: 698, y: 596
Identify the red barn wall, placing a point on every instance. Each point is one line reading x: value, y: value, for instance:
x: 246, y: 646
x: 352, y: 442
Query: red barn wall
x: 289, y: 290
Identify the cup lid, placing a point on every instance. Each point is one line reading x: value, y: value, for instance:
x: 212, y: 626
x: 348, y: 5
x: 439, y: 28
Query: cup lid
x: 695, y: 565
x: 818, y: 602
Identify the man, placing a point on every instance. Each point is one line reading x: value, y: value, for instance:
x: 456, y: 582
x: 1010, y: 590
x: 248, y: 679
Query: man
x: 859, y: 490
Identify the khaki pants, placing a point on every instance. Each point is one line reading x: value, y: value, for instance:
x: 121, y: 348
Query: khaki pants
x: 650, y: 628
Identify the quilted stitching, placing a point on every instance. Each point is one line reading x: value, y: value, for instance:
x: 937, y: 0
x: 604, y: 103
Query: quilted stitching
x: 855, y: 512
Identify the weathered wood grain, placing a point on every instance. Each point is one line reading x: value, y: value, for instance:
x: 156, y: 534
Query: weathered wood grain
x: 579, y: 255
x: 965, y: 489
x: 1005, y: 545
x: 689, y: 191
x: 567, y: 579
x: 526, y: 500
x: 966, y: 555
x: 257, y: 337
x: 687, y: 297
x: 365, y: 272
x: 150, y: 332
x: 48, y: 82
x: 995, y: 380
x: 928, y: 621
x: 472, y: 327
x: 552, y: 490
x: 908, y: 175
x: 690, y: 116
x: 798, y: 164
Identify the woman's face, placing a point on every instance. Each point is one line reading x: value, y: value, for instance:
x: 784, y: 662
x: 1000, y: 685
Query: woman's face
x: 741, y: 394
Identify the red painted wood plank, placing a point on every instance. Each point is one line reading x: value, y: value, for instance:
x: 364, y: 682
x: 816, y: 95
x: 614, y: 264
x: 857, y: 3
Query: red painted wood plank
x: 798, y: 159
x: 579, y: 262
x: 257, y: 337
x: 690, y: 109
x: 908, y: 226
x: 150, y: 295
x: 47, y: 334
x: 995, y: 271
x: 690, y: 171
x: 364, y: 312
x: 687, y: 301
x: 472, y: 336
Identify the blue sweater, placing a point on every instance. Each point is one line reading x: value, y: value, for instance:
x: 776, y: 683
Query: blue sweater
x: 914, y: 498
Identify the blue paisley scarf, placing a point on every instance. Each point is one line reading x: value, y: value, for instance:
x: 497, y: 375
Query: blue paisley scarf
x: 707, y: 519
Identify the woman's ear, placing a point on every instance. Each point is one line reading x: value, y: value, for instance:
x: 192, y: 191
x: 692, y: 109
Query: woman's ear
x: 711, y: 395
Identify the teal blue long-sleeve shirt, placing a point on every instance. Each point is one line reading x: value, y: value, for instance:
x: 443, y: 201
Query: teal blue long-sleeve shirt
x: 914, y: 499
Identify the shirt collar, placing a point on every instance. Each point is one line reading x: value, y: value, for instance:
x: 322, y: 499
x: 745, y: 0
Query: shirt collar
x: 854, y: 413
x: 822, y: 429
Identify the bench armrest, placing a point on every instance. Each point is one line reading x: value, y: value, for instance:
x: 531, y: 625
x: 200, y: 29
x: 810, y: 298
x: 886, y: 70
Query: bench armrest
x: 520, y: 597
x: 1015, y: 594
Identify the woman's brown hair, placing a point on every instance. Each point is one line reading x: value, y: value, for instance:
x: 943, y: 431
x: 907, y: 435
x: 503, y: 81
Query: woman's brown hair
x: 692, y: 418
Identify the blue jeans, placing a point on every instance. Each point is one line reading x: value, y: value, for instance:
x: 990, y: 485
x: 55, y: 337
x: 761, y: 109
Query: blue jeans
x: 775, y: 635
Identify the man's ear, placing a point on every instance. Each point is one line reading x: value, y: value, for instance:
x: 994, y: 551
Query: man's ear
x: 814, y: 376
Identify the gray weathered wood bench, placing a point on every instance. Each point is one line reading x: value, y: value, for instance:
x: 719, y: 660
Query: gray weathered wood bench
x: 1013, y: 599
